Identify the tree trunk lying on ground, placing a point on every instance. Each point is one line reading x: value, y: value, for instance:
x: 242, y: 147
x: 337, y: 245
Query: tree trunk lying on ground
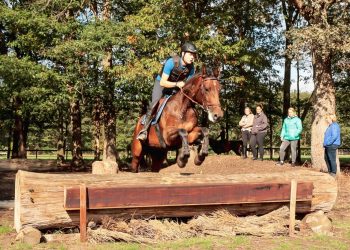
x: 39, y: 198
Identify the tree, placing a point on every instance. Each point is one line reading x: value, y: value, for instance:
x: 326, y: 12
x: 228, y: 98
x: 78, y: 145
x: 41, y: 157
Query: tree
x: 290, y: 15
x: 324, y: 35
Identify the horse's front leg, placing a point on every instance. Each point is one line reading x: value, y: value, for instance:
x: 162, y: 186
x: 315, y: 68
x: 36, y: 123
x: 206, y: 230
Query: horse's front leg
x: 184, y: 151
x: 200, y: 135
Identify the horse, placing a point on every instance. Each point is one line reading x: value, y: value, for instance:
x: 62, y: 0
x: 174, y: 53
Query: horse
x: 226, y: 146
x: 178, y: 128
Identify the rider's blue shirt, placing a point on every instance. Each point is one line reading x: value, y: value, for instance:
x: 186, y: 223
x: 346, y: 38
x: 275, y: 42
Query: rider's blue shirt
x: 169, y: 65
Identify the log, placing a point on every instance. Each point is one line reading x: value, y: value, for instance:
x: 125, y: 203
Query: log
x: 104, y: 167
x: 39, y: 197
x: 28, y: 165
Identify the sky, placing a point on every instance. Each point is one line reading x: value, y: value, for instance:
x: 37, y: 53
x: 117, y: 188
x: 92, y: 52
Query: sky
x: 306, y: 81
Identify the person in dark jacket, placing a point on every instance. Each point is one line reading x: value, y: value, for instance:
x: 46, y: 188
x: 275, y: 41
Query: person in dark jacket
x: 290, y: 135
x: 331, y: 143
x: 258, y: 133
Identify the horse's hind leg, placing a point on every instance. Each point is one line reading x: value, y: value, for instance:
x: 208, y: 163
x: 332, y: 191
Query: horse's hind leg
x: 184, y: 151
x: 157, y: 160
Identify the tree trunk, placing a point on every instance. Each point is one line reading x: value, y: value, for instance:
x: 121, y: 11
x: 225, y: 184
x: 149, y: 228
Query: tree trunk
x: 286, y: 83
x: 26, y: 124
x: 323, y: 104
x: 298, y: 160
x: 19, y: 150
x: 109, y: 144
x: 9, y: 142
x: 77, y: 156
x: 96, y: 114
x: 39, y: 197
x: 290, y: 17
x: 60, y: 141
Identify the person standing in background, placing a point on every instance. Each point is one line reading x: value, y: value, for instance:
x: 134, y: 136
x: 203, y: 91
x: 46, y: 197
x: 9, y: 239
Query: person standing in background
x: 290, y: 135
x: 246, y: 124
x: 331, y: 143
x: 259, y: 131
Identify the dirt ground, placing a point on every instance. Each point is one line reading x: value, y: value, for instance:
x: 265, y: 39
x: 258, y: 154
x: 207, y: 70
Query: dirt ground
x: 227, y: 164
x: 222, y: 164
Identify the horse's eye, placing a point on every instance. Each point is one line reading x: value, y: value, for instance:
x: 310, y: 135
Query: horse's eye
x: 206, y: 90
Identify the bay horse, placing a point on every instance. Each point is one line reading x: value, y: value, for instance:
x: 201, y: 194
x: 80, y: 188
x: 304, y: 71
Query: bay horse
x: 178, y: 125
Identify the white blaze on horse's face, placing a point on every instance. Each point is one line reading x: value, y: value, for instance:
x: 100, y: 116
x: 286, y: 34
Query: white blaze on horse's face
x: 211, y: 116
x: 211, y: 88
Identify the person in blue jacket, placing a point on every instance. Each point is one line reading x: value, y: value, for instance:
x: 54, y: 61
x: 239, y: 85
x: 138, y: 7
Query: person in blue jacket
x: 331, y: 143
x: 172, y: 77
x: 290, y: 135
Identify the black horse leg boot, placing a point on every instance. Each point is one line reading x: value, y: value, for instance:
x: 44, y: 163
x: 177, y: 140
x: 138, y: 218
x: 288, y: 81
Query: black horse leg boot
x: 142, y: 136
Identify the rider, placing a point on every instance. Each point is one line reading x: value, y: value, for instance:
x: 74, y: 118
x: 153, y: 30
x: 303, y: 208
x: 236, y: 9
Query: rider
x: 173, y: 74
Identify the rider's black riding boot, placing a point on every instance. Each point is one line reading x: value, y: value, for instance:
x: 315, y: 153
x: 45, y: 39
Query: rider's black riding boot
x: 142, y: 136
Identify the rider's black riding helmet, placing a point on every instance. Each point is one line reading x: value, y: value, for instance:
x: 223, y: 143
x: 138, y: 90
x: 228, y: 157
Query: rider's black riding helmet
x: 189, y: 47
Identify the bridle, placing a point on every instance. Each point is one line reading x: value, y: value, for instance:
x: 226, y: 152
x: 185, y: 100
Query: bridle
x: 204, y: 106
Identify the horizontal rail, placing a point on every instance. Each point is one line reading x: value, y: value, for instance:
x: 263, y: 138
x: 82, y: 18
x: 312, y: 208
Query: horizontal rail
x: 185, y: 195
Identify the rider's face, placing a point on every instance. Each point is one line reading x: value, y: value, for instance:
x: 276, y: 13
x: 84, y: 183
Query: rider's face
x: 189, y: 57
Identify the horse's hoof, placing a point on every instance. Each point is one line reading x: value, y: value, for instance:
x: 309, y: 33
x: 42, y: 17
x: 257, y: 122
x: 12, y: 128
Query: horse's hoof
x: 134, y: 170
x: 198, y: 160
x: 181, y: 164
x: 182, y: 161
x: 204, y: 153
x: 186, y: 153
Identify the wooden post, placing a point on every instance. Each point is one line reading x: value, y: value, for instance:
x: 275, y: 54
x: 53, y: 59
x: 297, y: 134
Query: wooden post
x: 83, y: 236
x: 293, y: 196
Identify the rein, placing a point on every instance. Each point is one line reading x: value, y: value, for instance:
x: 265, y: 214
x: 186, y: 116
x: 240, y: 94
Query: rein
x: 204, y: 107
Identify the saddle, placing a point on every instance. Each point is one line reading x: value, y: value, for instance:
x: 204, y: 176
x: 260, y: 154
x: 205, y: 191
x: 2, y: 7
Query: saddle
x: 161, y: 104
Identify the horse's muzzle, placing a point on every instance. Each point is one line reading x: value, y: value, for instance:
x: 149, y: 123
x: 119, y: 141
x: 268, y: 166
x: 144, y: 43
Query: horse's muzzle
x: 215, y: 114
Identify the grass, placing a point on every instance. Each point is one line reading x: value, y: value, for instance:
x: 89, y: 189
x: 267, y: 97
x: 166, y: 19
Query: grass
x: 4, y: 229
x: 203, y: 243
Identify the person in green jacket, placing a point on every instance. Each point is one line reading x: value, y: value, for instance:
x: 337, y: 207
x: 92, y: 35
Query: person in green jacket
x: 290, y: 135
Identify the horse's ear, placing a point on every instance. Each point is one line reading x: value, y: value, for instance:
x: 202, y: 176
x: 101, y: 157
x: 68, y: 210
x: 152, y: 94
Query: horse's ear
x: 216, y: 72
x: 204, y: 70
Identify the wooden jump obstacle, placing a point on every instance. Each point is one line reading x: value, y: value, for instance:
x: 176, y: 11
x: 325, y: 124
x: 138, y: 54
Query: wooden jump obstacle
x: 55, y: 200
x: 83, y: 198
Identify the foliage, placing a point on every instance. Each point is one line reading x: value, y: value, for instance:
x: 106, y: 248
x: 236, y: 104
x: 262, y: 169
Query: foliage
x: 53, y: 52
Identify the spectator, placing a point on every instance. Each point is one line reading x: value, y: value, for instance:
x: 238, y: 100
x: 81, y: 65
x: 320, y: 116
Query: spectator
x: 259, y: 131
x: 331, y: 142
x: 246, y: 124
x: 290, y: 135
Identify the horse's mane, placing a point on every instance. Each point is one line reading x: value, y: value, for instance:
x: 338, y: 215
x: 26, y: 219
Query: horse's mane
x: 195, y: 76
x: 209, y: 73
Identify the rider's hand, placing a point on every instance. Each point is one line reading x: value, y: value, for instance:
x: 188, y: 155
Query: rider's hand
x: 180, y: 84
